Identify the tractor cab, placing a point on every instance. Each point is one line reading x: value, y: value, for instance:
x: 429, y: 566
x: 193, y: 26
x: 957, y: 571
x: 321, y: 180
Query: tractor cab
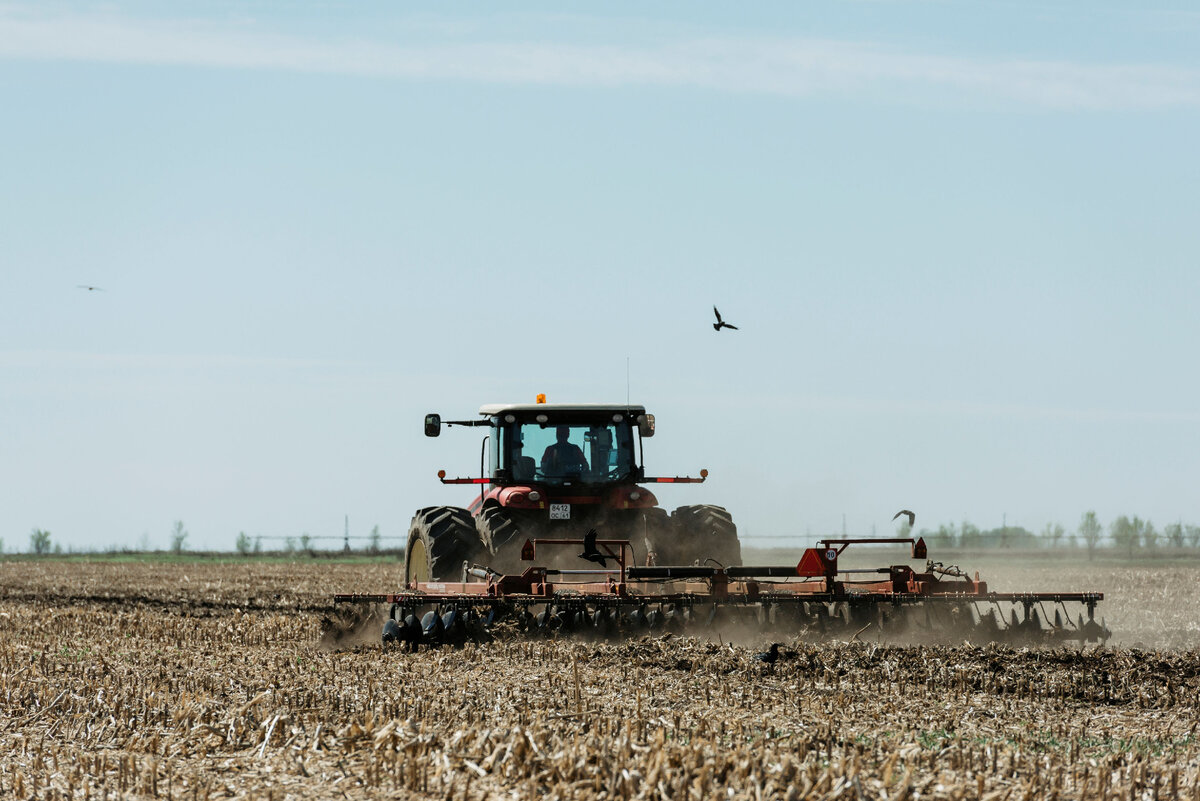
x: 565, y: 445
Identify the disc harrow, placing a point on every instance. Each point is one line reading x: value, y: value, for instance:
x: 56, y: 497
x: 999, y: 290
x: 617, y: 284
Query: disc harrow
x: 814, y: 599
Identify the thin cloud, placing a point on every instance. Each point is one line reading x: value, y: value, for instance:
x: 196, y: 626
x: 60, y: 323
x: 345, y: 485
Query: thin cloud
x: 997, y: 411
x: 940, y: 408
x: 76, y: 360
x: 776, y: 66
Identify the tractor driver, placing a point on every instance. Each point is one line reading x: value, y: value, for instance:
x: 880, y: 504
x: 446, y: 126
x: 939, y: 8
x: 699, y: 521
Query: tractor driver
x: 563, y: 457
x: 522, y: 465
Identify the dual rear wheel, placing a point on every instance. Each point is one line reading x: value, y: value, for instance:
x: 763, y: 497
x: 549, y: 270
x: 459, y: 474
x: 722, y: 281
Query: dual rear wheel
x: 441, y: 538
x: 702, y: 533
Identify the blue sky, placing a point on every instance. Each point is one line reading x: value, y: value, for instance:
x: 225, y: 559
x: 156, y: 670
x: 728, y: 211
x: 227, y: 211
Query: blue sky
x: 960, y: 240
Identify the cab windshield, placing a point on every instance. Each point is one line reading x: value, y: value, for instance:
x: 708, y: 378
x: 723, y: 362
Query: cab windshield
x: 566, y: 452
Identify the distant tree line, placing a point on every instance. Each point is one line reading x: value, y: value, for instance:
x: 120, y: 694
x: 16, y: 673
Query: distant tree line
x: 307, y: 543
x: 41, y: 543
x: 1124, y: 532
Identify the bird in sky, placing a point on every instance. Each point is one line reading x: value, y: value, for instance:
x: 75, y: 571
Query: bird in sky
x: 90, y: 288
x: 589, y: 549
x: 719, y: 324
x: 912, y: 518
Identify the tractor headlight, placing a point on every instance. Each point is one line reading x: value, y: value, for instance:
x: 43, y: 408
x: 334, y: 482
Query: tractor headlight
x: 534, y: 495
x: 635, y: 495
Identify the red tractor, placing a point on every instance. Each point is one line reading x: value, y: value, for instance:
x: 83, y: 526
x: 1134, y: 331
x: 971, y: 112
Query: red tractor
x: 556, y: 471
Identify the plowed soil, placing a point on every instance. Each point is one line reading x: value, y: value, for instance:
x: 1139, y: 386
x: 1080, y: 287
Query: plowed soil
x: 210, y: 680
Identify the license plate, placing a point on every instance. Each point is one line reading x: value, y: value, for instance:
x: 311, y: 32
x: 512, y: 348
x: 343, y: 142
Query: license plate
x: 560, y: 511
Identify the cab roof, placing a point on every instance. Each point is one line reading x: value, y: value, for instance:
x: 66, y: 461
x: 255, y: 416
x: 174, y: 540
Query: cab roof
x: 492, y: 409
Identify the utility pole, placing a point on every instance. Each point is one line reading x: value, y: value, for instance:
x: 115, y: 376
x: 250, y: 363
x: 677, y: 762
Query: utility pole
x: 346, y: 540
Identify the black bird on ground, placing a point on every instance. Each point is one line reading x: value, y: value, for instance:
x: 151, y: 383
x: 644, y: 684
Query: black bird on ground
x: 770, y: 656
x: 589, y: 549
x: 912, y: 518
x: 89, y: 288
x: 719, y: 324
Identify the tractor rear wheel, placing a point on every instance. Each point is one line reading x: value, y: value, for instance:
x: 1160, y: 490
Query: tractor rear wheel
x: 498, y: 527
x: 503, y: 532
x: 440, y: 539
x: 706, y: 532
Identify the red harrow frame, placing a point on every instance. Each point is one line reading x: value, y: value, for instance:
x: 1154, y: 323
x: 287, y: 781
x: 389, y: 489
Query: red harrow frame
x: 813, y: 598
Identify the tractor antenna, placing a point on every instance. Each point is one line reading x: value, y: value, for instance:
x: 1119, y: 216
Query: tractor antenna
x: 627, y: 381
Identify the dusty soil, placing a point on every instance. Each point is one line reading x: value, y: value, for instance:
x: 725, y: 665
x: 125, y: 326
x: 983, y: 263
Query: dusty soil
x: 241, y: 680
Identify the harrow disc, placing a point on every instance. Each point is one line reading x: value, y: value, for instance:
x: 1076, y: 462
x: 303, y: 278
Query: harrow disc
x: 432, y: 626
x: 411, y: 629
x: 545, y: 622
x: 945, y: 621
x: 604, y: 622
x: 637, y: 619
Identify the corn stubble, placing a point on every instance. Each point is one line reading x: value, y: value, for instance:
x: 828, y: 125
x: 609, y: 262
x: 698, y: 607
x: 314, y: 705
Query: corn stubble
x: 211, y: 681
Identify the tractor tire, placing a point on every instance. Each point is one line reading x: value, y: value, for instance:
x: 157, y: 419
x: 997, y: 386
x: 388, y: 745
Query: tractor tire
x: 498, y: 527
x: 440, y: 539
x: 706, y: 532
x: 502, y: 533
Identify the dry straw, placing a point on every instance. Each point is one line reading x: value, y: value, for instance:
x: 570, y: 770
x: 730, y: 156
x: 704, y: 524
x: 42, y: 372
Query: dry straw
x: 125, y: 681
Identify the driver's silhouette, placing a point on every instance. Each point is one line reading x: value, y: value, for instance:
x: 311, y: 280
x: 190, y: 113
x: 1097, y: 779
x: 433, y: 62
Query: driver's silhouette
x: 563, y: 457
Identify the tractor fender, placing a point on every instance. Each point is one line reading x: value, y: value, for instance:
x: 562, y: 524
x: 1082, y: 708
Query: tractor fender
x: 630, y: 496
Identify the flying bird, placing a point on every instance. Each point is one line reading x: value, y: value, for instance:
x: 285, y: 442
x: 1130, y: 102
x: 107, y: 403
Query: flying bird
x: 589, y: 549
x: 90, y: 288
x: 912, y: 518
x: 719, y: 324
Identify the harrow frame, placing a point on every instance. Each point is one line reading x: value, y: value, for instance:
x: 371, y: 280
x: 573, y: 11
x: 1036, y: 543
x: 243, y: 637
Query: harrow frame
x: 813, y: 595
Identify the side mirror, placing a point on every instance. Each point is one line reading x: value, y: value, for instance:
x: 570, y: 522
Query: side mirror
x: 433, y: 425
x: 646, y: 425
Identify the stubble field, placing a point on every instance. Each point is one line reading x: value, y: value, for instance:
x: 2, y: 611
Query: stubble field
x: 208, y: 680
